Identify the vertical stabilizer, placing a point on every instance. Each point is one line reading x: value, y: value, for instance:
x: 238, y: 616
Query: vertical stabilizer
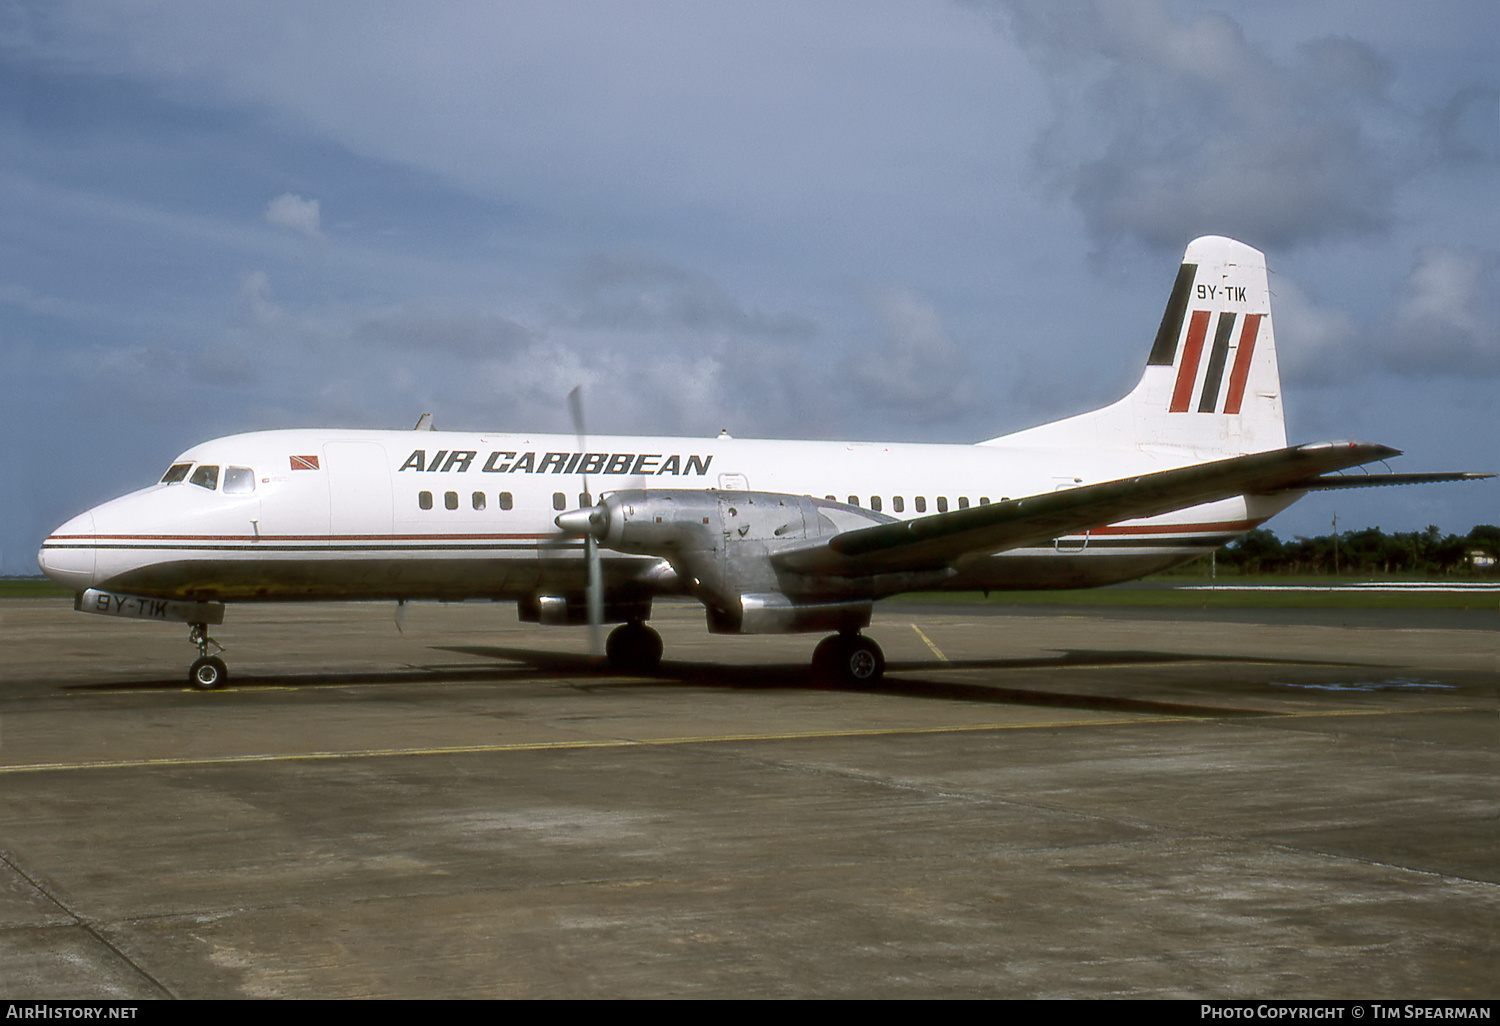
x: 1211, y: 383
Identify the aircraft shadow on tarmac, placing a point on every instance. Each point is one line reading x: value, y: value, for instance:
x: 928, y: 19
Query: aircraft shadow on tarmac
x: 588, y: 672
x: 801, y: 676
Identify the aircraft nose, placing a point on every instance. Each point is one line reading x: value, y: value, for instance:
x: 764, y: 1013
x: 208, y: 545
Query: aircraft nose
x: 67, y: 556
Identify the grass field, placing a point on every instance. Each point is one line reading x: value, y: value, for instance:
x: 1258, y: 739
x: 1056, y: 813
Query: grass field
x: 1177, y: 595
x: 31, y: 587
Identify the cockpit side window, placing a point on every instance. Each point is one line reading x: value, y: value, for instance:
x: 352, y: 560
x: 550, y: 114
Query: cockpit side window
x: 238, y: 480
x: 175, y: 473
x: 205, y: 477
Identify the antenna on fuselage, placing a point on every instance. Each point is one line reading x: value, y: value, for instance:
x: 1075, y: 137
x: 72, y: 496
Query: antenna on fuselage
x: 424, y: 423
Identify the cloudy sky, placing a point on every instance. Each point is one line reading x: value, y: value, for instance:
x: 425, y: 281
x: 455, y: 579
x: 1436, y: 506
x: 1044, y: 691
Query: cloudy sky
x: 917, y: 220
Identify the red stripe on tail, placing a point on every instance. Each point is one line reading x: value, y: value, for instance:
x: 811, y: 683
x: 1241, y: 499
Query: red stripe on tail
x: 1187, y: 371
x: 1242, y: 364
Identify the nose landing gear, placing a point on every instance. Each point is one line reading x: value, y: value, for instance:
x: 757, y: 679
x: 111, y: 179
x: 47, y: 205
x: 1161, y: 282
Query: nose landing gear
x: 208, y: 672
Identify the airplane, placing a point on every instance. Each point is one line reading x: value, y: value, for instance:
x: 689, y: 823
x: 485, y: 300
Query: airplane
x: 770, y: 536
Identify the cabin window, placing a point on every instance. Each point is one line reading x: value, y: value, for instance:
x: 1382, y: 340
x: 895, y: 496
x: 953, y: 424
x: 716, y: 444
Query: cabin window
x: 963, y: 502
x: 238, y: 480
x: 450, y: 500
x: 584, y: 501
x: 921, y: 504
x: 559, y: 500
x: 942, y: 503
x: 424, y: 499
x: 479, y: 500
x: 875, y: 503
x: 898, y: 504
x: 831, y: 498
x: 984, y: 500
x: 506, y: 502
x: 205, y: 477
x: 175, y: 473
x: 854, y: 500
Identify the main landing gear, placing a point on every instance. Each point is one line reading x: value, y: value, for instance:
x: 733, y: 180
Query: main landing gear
x: 849, y: 658
x: 633, y: 648
x: 208, y: 671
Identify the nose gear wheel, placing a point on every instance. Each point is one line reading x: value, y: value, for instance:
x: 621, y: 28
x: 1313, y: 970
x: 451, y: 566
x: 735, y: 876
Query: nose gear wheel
x: 208, y: 672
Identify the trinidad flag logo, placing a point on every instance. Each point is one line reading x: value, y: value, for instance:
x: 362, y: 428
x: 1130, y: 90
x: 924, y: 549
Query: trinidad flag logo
x: 304, y: 463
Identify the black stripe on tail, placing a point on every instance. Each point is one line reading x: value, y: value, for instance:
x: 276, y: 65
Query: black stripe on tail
x: 1164, y: 350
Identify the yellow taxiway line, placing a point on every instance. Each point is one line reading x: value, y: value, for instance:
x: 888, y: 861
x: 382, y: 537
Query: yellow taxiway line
x: 546, y: 746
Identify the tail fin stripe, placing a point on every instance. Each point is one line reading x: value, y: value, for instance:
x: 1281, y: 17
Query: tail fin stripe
x: 1215, y: 376
x: 1225, y: 372
x: 1187, y: 373
x: 1164, y: 350
x: 1242, y: 364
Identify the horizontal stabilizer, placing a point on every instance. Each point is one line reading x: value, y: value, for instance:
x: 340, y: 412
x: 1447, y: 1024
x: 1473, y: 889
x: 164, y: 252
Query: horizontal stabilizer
x: 935, y: 541
x: 1323, y: 484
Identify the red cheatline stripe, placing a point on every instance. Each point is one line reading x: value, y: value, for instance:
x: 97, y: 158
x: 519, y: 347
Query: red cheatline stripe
x: 1155, y: 529
x: 270, y: 538
x: 1242, y: 364
x: 1187, y: 371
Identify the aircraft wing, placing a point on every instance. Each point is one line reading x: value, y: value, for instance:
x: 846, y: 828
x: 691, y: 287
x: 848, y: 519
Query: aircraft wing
x: 936, y: 541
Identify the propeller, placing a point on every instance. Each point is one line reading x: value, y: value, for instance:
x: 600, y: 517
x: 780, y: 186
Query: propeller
x: 594, y: 591
x: 424, y: 423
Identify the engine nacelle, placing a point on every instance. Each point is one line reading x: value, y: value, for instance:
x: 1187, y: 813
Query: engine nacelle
x: 777, y: 614
x: 573, y: 610
x: 720, y: 545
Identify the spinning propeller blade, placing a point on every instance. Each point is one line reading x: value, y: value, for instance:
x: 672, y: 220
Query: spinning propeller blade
x: 594, y: 592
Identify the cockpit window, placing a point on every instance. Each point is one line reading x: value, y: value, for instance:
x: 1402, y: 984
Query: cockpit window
x: 175, y: 473
x: 205, y: 477
x: 238, y: 480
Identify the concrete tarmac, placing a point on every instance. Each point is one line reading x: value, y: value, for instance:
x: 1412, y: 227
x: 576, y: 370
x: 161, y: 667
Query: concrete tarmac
x: 1034, y: 804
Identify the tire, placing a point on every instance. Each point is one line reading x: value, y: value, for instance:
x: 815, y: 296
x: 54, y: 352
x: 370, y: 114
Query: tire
x: 825, y: 660
x: 633, y: 648
x: 862, y: 663
x: 849, y: 661
x: 208, y: 673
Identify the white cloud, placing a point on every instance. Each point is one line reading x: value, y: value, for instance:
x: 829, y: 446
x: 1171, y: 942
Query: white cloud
x: 1316, y: 344
x: 255, y: 297
x: 920, y: 374
x: 1169, y: 126
x: 1446, y: 319
x: 296, y: 214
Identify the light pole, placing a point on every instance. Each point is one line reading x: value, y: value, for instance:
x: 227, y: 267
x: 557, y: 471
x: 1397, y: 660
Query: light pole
x: 1335, y: 543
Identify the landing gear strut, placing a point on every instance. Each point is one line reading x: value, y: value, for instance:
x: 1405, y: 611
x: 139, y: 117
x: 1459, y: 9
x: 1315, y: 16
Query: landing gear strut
x: 633, y: 648
x: 208, y: 671
x: 849, y: 659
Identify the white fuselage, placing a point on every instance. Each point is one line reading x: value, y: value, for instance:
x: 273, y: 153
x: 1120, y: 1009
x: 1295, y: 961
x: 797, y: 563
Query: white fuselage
x: 306, y: 514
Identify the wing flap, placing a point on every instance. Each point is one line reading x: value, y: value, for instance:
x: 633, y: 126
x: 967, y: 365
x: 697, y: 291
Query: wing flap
x: 935, y: 541
x: 1322, y: 484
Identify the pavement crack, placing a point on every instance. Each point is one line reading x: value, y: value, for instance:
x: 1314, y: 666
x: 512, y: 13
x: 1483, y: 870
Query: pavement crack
x: 85, y: 924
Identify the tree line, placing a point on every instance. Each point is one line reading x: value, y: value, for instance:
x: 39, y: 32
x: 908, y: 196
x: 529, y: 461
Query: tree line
x: 1370, y: 551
